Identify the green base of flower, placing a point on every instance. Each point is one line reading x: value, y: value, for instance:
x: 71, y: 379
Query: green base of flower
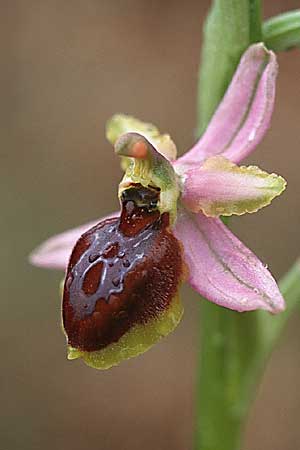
x: 138, y: 340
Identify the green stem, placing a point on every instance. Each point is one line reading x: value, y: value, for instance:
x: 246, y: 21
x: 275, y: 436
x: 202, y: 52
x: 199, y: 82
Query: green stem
x: 282, y: 32
x: 235, y: 348
x: 229, y: 342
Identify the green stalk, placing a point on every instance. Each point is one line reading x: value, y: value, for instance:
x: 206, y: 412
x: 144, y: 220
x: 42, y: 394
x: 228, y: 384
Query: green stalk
x: 229, y: 345
x: 234, y: 347
x: 234, y: 350
x: 282, y: 32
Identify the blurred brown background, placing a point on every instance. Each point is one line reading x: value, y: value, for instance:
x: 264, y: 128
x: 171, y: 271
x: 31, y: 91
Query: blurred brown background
x: 66, y: 67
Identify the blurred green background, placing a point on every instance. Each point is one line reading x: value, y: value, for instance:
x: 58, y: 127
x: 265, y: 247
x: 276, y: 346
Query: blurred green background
x: 66, y: 67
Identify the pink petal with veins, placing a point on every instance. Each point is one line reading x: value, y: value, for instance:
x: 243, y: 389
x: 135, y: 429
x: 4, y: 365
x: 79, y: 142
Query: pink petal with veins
x: 220, y: 187
x: 244, y: 114
x: 222, y: 269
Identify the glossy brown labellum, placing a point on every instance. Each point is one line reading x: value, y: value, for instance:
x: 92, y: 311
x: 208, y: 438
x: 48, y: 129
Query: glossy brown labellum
x: 122, y: 272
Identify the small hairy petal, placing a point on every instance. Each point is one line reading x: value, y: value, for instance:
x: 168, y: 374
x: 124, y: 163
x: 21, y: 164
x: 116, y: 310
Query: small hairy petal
x: 220, y: 187
x: 222, y: 269
x: 244, y: 114
x: 55, y: 252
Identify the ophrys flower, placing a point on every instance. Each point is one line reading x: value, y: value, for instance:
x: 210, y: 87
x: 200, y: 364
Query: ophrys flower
x: 124, y: 272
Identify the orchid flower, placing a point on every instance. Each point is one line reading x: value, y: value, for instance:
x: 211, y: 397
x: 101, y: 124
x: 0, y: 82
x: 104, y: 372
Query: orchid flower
x: 123, y: 272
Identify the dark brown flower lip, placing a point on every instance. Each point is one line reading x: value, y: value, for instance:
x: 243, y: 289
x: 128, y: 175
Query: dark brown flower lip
x: 122, y: 272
